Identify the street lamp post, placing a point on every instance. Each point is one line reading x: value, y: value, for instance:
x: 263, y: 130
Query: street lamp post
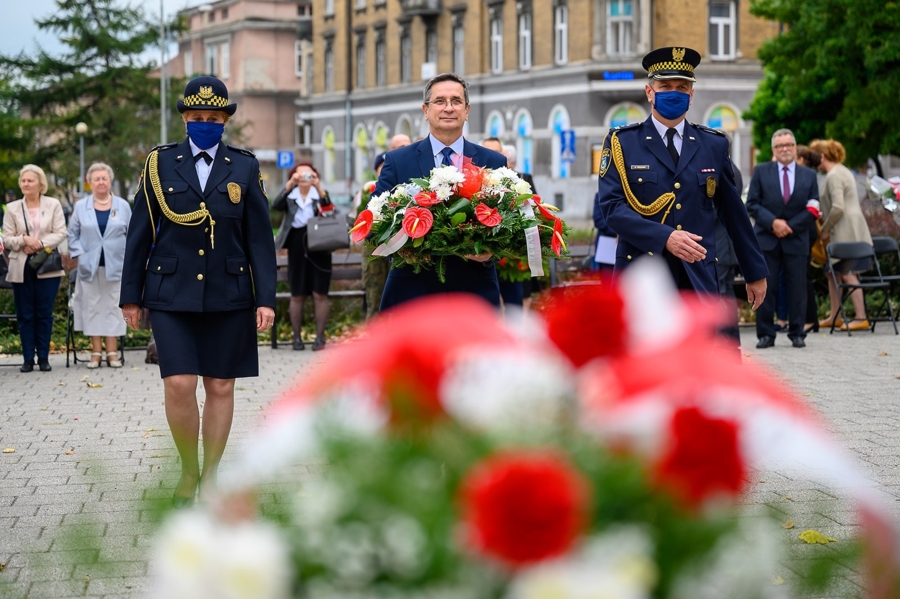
x: 81, y: 129
x: 163, y: 126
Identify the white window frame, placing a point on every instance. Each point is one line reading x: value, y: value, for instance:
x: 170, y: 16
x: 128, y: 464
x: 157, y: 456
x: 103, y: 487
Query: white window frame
x: 329, y: 67
x: 405, y: 57
x: 360, y: 4
x: 298, y: 58
x: 459, y: 49
x: 380, y: 62
x: 496, y: 25
x: 717, y: 27
x: 561, y: 34
x: 619, y: 28
x: 361, y: 63
x: 526, y: 23
x: 225, y: 60
x: 210, y: 64
x: 188, y: 63
x: 329, y: 8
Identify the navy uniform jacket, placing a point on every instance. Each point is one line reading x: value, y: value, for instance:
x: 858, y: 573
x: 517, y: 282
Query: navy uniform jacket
x: 651, y: 172
x: 416, y: 161
x: 765, y: 203
x: 184, y: 272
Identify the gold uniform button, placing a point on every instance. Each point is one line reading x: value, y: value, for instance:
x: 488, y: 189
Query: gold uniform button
x: 629, y: 256
x: 242, y: 269
x: 678, y: 186
x: 199, y: 277
x: 159, y: 268
x: 677, y: 206
x: 678, y: 227
x: 717, y: 259
x: 640, y: 180
x: 206, y: 230
x: 201, y: 252
x: 171, y: 189
x: 649, y: 253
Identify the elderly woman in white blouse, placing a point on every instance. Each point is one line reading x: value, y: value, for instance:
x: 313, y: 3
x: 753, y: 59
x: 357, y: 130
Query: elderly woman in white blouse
x: 97, y: 232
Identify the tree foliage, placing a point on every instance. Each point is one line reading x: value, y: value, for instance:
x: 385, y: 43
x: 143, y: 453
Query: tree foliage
x: 99, y: 79
x: 833, y: 72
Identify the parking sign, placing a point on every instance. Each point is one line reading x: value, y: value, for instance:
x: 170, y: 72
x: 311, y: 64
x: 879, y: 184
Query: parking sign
x: 285, y: 159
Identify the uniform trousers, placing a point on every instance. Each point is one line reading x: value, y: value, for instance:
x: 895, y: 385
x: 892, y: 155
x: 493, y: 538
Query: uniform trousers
x: 34, y: 300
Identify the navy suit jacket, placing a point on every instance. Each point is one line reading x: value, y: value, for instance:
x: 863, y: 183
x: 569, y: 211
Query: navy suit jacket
x: 416, y: 161
x: 765, y: 203
x: 651, y: 172
x: 184, y: 273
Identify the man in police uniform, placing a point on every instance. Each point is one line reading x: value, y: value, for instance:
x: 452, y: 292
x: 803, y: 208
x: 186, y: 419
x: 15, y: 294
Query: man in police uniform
x: 200, y: 256
x: 662, y: 182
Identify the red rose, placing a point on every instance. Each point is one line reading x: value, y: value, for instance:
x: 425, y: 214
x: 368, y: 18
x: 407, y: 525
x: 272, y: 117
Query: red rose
x: 524, y: 507
x: 487, y: 216
x: 362, y: 226
x: 426, y: 198
x: 472, y: 182
x: 703, y: 458
x: 417, y: 221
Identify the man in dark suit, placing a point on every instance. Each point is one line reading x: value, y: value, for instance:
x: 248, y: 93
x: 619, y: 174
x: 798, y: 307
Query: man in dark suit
x: 200, y: 256
x: 662, y: 183
x: 446, y: 108
x: 784, y: 202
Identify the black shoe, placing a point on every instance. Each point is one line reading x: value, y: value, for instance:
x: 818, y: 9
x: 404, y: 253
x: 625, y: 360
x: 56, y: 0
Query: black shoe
x: 26, y: 367
x: 811, y: 328
x: 765, y: 341
x: 298, y: 345
x: 44, y: 365
x: 318, y: 345
x: 798, y: 342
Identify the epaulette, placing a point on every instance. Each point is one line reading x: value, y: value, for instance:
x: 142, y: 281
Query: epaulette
x: 243, y: 151
x: 626, y: 127
x: 162, y: 147
x: 708, y: 129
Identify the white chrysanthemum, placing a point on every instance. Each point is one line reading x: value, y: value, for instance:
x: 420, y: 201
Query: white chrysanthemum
x: 443, y: 192
x: 506, y: 174
x: 493, y: 179
x: 400, y: 192
x: 615, y: 565
x: 254, y: 562
x: 522, y: 187
x: 319, y: 504
x: 376, y: 205
x: 445, y: 175
x: 504, y: 390
x: 351, y: 555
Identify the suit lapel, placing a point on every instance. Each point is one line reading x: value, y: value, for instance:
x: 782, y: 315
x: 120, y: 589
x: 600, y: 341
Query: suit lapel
x: 221, y: 168
x: 426, y: 158
x: 185, y: 167
x: 470, y: 151
x: 651, y: 140
x: 689, y: 146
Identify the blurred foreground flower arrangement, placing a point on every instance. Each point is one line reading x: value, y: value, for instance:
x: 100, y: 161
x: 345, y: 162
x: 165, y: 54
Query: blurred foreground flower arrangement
x: 599, y: 451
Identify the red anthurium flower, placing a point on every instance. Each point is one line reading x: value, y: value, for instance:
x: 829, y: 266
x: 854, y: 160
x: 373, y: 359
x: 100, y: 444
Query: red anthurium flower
x: 426, y: 198
x: 557, y: 242
x: 487, y: 216
x: 472, y: 183
x: 542, y: 208
x: 417, y: 221
x: 523, y: 507
x: 703, y: 458
x: 362, y: 226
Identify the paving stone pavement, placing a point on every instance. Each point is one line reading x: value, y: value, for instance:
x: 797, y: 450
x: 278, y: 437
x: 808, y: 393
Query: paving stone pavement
x: 88, y: 456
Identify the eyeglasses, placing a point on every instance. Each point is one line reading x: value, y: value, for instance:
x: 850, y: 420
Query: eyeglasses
x: 444, y: 102
x: 783, y: 146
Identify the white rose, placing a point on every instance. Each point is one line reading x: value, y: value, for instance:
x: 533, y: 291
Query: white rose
x: 522, y: 187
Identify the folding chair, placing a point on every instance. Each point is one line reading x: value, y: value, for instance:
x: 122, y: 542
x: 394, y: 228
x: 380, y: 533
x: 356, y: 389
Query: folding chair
x: 884, y: 246
x: 70, y: 325
x: 856, y: 250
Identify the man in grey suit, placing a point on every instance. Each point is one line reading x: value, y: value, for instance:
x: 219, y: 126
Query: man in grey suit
x: 784, y: 202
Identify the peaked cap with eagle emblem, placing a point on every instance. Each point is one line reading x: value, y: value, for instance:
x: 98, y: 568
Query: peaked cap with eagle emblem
x: 206, y: 93
x: 671, y: 63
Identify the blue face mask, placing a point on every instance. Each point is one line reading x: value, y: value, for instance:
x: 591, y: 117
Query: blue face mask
x: 671, y: 105
x: 205, y: 135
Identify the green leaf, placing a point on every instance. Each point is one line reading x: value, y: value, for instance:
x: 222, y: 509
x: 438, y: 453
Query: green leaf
x: 458, y: 218
x: 418, y: 241
x: 423, y: 183
x: 460, y: 205
x: 478, y: 247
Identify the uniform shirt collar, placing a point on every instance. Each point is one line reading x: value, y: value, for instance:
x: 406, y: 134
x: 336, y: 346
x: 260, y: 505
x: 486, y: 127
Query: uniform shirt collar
x: 661, y: 129
x: 196, y: 150
x: 456, y: 146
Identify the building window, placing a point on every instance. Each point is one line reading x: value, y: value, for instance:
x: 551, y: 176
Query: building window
x: 459, y: 49
x: 211, y: 16
x: 225, y: 58
x: 361, y: 62
x: 210, y: 65
x: 224, y: 14
x: 298, y: 58
x: 302, y: 133
x: 561, y: 34
x: 620, y: 28
x: 329, y: 66
x: 524, y: 146
x: 329, y: 8
x: 431, y: 46
x: 494, y: 126
x: 722, y: 28
x: 188, y: 63
x: 360, y: 4
x: 380, y: 63
x: 525, y: 41
x: 304, y: 10
x: 559, y: 122
x: 405, y: 56
x: 497, y: 44
x: 328, y: 157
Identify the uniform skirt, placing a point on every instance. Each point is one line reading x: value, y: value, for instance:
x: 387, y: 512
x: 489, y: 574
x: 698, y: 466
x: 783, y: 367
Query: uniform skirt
x: 221, y: 345
x: 95, y: 306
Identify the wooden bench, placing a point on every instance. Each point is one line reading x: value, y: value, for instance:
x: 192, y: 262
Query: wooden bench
x: 345, y: 266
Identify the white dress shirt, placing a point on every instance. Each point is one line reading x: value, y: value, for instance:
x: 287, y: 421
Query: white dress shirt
x: 203, y: 169
x: 304, y: 206
x: 792, y: 171
x: 456, y: 146
x: 679, y: 137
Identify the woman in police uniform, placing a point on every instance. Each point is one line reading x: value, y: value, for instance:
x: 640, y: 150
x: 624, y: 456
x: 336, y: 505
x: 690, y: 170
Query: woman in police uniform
x: 200, y: 256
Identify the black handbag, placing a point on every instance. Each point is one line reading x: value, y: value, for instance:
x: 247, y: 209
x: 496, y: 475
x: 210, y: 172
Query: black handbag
x: 45, y: 261
x: 327, y: 233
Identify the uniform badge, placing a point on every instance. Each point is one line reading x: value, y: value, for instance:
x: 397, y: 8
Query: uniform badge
x: 234, y: 192
x: 262, y: 185
x: 604, y: 161
x: 710, y: 186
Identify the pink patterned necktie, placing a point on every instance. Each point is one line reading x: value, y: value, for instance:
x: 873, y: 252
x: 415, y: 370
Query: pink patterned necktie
x: 785, y: 185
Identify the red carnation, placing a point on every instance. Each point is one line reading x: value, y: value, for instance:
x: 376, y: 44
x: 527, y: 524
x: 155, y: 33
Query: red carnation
x: 703, y: 458
x: 487, y: 216
x: 417, y: 221
x: 362, y: 226
x: 586, y: 321
x: 472, y: 182
x: 524, y: 507
x: 426, y: 198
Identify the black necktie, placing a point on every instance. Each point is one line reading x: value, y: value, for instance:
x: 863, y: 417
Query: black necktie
x: 673, y: 152
x: 447, y: 152
x: 206, y: 158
